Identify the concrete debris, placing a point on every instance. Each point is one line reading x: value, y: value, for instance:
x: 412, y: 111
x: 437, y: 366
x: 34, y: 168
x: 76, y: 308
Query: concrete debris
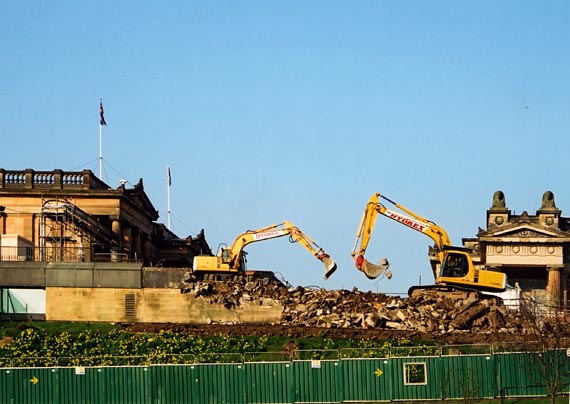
x: 426, y: 311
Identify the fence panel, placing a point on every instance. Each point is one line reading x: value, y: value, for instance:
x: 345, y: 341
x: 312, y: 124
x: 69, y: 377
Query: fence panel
x: 470, y: 377
x: 174, y: 384
x: 81, y: 385
x: 32, y: 386
x: 317, y: 381
x: 218, y: 383
x: 415, y: 378
x: 125, y: 384
x: 366, y: 379
x: 518, y: 375
x: 6, y: 386
x: 269, y: 382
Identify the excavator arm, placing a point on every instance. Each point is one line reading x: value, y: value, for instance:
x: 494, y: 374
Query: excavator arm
x: 297, y: 236
x: 232, y: 256
x: 234, y: 253
x: 413, y: 221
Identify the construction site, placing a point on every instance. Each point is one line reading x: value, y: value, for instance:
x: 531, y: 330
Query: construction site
x: 80, y: 242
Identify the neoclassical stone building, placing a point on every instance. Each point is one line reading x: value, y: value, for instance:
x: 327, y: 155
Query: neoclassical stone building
x: 533, y: 250
x: 63, y: 216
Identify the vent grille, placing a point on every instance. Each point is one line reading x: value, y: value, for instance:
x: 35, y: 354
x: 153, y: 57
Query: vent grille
x: 130, y: 306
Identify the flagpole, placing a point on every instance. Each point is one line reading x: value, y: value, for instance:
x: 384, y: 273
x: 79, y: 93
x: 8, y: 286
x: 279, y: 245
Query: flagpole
x: 101, y: 123
x: 168, y: 182
x: 100, y: 151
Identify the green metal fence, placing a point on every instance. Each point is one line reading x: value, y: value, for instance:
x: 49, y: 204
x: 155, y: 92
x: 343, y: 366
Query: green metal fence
x: 427, y: 373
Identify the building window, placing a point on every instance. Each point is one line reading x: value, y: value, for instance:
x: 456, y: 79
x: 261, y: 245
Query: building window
x: 415, y: 373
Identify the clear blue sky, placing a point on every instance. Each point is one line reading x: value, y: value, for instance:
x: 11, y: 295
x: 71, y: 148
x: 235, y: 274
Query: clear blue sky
x: 298, y: 110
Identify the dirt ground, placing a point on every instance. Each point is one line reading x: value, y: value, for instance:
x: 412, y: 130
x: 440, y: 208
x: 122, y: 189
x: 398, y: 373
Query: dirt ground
x: 332, y: 333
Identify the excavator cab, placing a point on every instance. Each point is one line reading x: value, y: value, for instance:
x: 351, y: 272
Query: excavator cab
x: 455, y: 265
x: 224, y: 253
x: 458, y: 270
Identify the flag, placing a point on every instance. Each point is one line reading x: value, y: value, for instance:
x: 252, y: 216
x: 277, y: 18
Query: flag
x: 169, y: 177
x: 101, y: 117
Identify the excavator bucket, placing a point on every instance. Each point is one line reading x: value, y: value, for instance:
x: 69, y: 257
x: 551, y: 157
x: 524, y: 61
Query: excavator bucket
x: 373, y: 271
x: 330, y: 265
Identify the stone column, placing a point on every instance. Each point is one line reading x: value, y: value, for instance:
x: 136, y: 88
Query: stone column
x: 553, y: 288
x: 127, y: 240
x: 2, y: 223
x: 564, y: 282
x: 147, y: 251
x: 116, y: 227
x: 137, y: 243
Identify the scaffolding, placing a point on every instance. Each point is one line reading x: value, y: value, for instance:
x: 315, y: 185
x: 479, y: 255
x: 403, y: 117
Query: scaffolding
x: 67, y: 233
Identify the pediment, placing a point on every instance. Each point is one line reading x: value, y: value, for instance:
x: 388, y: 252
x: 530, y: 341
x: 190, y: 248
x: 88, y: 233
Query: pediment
x: 522, y: 231
x: 138, y: 197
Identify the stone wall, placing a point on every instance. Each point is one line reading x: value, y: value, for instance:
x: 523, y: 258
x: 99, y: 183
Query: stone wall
x: 151, y: 306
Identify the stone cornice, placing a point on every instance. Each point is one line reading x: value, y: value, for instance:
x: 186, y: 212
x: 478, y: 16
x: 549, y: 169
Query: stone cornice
x: 523, y: 230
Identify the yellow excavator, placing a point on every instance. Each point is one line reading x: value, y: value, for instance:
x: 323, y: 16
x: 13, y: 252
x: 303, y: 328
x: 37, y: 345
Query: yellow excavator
x: 232, y: 260
x: 453, y: 267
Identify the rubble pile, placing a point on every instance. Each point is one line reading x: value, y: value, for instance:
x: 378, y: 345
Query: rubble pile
x: 234, y: 293
x: 426, y: 311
